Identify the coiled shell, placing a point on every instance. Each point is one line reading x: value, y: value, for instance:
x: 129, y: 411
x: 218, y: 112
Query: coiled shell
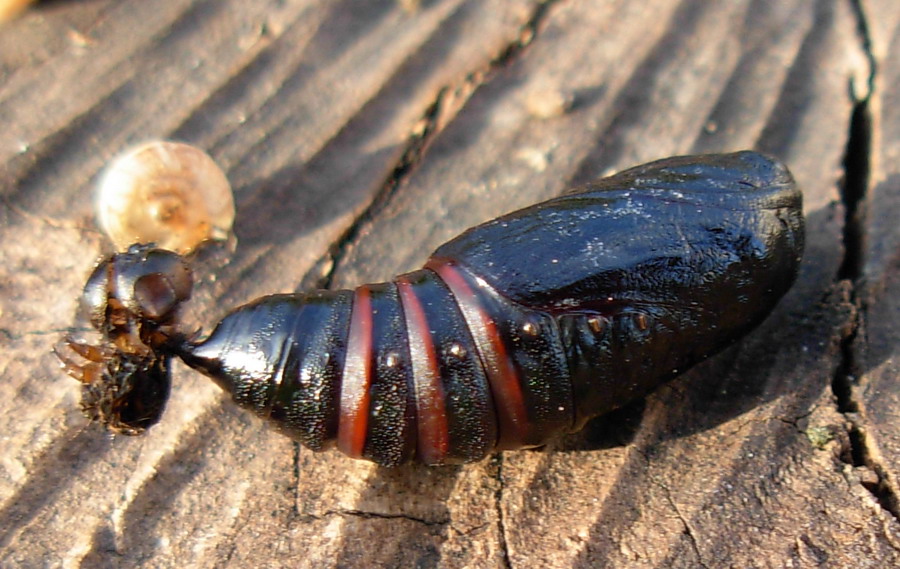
x: 168, y: 193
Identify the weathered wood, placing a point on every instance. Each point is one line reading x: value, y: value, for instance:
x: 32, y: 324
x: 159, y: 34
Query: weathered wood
x: 871, y: 388
x: 360, y: 135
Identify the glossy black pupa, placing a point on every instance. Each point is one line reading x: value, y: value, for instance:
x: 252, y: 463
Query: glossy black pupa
x: 515, y: 332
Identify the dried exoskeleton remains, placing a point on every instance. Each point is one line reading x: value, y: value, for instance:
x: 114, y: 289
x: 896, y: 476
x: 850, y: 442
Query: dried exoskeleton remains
x: 133, y: 300
x: 167, y: 193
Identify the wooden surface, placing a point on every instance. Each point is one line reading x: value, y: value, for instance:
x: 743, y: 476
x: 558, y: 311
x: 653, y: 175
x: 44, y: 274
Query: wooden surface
x: 360, y: 135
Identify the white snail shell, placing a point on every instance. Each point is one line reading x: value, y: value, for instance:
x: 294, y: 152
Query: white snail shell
x: 167, y: 193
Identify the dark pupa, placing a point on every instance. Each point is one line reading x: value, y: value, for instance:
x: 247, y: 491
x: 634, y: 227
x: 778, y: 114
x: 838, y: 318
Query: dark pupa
x: 517, y: 331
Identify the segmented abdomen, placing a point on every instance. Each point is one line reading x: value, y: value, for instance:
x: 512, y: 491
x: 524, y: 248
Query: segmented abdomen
x: 395, y: 370
x: 526, y: 326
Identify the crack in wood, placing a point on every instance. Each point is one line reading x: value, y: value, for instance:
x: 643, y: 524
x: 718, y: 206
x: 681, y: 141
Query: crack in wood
x: 688, y: 530
x: 526, y: 36
x: 863, y: 451
x: 382, y: 516
x: 501, y: 520
x: 295, y: 465
x: 857, y: 161
x: 324, y: 269
x: 854, y: 191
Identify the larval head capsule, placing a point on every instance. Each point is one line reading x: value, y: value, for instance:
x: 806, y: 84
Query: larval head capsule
x: 168, y: 193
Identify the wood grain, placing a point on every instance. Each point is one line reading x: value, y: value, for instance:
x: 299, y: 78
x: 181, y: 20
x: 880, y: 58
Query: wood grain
x: 359, y: 136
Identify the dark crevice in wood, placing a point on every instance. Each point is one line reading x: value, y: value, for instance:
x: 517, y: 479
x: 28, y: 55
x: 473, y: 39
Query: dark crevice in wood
x: 328, y: 265
x: 853, y: 192
x: 295, y: 458
x: 854, y: 195
x: 381, y: 516
x: 865, y: 38
x: 526, y: 36
x: 862, y: 451
x: 842, y: 385
x: 410, y: 157
x: 501, y: 520
x: 857, y: 160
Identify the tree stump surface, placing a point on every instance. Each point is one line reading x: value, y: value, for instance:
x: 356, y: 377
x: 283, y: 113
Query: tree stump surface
x: 358, y: 136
